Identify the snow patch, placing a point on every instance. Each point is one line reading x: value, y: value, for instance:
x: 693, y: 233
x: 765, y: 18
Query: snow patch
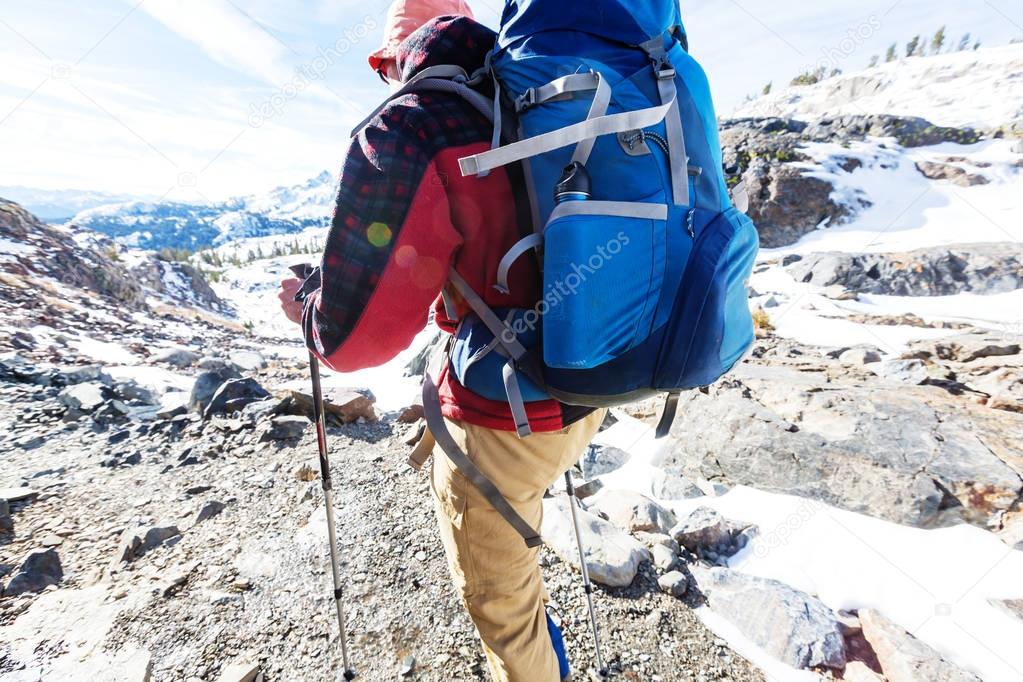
x: 929, y: 87
x: 934, y: 583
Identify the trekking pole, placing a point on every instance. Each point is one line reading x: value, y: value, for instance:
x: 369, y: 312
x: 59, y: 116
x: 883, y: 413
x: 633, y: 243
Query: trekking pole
x: 587, y: 585
x: 304, y: 272
x: 321, y: 441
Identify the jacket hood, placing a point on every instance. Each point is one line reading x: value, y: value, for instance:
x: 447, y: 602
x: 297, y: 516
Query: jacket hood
x: 456, y: 40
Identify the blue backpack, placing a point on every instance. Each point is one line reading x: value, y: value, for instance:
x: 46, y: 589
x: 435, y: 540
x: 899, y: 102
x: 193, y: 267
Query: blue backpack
x: 645, y: 256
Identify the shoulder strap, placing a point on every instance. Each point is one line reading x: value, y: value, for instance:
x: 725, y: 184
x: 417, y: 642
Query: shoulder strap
x: 439, y: 430
x: 444, y: 78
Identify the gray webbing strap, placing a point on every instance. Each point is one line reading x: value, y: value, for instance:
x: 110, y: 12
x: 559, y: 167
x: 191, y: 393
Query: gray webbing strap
x: 563, y: 137
x: 678, y: 159
x: 618, y: 209
x: 427, y: 80
x: 449, y: 304
x: 495, y: 138
x: 492, y: 347
x: 566, y: 85
x: 435, y: 424
x: 575, y: 82
x: 515, y: 401
x: 438, y: 71
x: 601, y: 100
x: 533, y: 241
x: 498, y: 328
x: 424, y: 448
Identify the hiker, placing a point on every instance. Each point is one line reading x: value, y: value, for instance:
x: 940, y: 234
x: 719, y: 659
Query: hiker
x: 645, y: 249
x: 404, y: 217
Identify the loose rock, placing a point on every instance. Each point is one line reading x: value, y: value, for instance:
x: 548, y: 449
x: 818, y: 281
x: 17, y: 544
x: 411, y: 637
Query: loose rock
x: 206, y: 384
x: 664, y: 558
x: 794, y: 627
x: 175, y: 357
x: 137, y: 541
x: 598, y: 460
x: 248, y: 360
x: 39, y: 569
x: 704, y: 528
x: 243, y: 671
x: 347, y: 405
x: 674, y: 583
x: 903, y: 657
x: 285, y: 428
x: 612, y: 557
x: 233, y: 395
x: 209, y: 510
x: 631, y: 511
x: 86, y: 397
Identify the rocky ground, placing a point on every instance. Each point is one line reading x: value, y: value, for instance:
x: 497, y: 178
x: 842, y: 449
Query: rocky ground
x: 190, y: 542
x: 188, y: 545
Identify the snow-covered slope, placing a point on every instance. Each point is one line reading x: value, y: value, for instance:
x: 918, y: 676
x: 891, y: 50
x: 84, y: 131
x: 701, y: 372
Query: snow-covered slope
x: 908, y: 210
x: 983, y: 89
x: 167, y: 224
x: 903, y: 199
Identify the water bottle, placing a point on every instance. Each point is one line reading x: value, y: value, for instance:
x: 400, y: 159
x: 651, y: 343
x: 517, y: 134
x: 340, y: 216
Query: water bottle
x: 574, y: 184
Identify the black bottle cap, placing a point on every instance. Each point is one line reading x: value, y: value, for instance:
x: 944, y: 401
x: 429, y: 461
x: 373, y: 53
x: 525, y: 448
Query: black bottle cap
x: 575, y: 180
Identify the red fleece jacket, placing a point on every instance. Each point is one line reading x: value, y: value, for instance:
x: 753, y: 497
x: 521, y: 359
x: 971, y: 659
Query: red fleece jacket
x: 405, y: 216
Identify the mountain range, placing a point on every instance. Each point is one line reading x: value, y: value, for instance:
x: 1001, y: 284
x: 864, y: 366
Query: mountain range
x: 178, y: 225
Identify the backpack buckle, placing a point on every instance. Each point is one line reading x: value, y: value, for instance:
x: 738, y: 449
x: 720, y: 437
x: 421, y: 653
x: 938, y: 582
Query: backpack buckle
x: 664, y: 72
x: 527, y: 100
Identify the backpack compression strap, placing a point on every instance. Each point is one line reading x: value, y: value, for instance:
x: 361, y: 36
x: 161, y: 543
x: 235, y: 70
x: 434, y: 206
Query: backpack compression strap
x: 576, y: 133
x: 439, y: 431
x: 678, y: 159
x: 667, y: 414
x: 508, y: 342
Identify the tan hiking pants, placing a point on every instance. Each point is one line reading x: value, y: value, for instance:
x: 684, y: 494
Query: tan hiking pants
x: 497, y: 576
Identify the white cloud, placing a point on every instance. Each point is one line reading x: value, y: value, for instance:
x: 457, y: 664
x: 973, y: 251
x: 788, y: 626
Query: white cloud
x: 226, y: 34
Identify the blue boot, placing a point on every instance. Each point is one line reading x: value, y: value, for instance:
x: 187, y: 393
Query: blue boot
x: 559, y: 649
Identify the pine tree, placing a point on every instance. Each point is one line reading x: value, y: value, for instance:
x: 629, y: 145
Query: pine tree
x: 938, y: 41
x: 912, y: 46
x: 874, y: 61
x: 767, y: 88
x: 892, y: 54
x: 976, y: 46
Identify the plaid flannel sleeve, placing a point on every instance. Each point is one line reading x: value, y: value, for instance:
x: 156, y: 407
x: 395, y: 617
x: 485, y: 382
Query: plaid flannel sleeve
x: 387, y: 170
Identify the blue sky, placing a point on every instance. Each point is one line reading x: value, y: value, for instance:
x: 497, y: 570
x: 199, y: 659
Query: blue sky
x: 202, y: 99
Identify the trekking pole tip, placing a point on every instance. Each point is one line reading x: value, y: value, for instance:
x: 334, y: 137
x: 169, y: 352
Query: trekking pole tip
x: 349, y: 674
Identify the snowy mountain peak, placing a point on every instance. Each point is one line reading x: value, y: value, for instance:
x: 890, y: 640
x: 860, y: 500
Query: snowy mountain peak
x: 168, y: 224
x: 980, y: 89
